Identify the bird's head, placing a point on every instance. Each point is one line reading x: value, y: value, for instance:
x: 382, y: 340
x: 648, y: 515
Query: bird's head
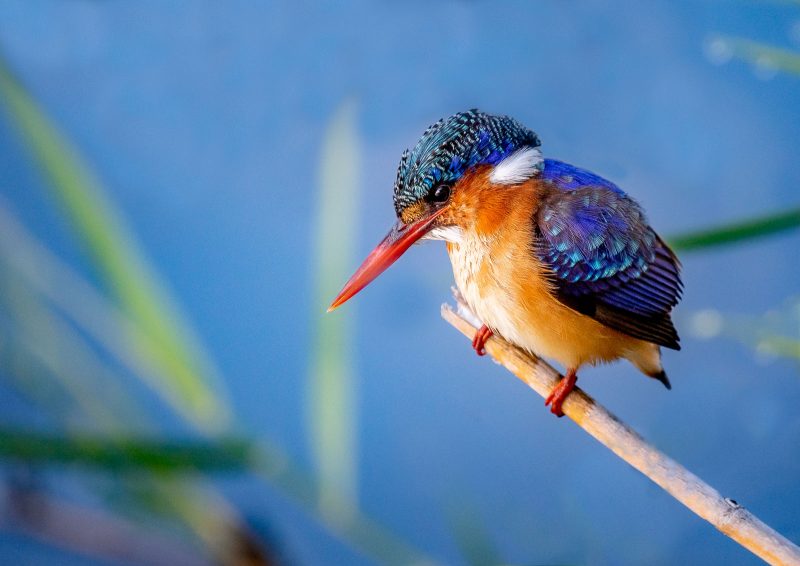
x: 432, y: 176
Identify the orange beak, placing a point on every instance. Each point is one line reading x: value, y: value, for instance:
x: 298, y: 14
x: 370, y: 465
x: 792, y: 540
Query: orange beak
x: 401, y: 237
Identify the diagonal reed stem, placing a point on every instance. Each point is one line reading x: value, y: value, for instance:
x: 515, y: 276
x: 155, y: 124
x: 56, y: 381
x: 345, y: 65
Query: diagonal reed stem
x: 725, y: 514
x: 732, y: 233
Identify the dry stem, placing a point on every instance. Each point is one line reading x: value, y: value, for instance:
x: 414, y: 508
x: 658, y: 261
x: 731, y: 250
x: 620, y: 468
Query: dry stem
x: 725, y: 514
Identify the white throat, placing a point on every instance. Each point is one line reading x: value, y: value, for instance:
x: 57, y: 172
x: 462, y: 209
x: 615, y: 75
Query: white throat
x: 452, y: 234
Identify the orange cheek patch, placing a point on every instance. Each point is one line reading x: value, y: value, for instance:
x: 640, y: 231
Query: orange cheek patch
x: 413, y: 212
x: 493, y: 213
x: 487, y: 205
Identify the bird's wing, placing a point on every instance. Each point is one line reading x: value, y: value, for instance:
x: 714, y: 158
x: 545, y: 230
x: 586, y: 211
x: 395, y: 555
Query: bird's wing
x: 607, y: 262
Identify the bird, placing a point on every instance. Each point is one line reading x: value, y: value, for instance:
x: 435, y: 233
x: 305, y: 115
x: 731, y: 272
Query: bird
x: 551, y: 257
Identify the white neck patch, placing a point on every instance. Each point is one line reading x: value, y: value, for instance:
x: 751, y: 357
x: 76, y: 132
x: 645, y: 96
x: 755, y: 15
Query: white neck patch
x: 451, y: 234
x: 517, y: 167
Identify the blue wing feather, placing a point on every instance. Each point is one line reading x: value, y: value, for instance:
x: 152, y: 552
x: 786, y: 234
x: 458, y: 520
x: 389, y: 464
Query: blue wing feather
x: 606, y: 260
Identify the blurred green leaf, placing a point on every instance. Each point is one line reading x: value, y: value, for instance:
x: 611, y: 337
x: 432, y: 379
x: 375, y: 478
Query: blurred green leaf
x: 331, y: 409
x: 125, y: 453
x: 764, y: 55
x: 737, y: 232
x: 186, y: 376
x: 781, y: 346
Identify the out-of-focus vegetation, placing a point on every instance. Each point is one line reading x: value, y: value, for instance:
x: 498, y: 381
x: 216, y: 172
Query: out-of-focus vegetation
x: 175, y: 363
x: 766, y: 59
x: 55, y: 336
x: 737, y: 232
x: 75, y: 351
x: 70, y: 349
x: 331, y: 399
x: 126, y: 453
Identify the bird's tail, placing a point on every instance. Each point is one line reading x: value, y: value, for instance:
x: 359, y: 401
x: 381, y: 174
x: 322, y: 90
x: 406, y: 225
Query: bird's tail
x: 662, y: 377
x: 648, y: 360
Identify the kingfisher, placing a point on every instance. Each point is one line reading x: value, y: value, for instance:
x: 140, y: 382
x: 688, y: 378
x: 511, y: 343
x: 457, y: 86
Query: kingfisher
x: 553, y: 258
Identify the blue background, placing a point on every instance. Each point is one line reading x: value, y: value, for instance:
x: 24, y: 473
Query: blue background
x: 205, y: 122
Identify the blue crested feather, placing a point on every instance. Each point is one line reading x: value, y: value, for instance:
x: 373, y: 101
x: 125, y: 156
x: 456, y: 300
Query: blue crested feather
x: 451, y: 147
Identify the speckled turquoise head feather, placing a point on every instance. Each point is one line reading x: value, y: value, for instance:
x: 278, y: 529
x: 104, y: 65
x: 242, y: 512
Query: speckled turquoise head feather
x: 451, y: 147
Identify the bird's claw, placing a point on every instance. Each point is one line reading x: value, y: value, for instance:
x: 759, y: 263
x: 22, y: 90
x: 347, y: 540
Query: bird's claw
x: 560, y: 392
x: 479, y: 341
x: 555, y: 407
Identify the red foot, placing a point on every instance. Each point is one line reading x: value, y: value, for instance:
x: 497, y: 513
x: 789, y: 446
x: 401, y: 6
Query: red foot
x: 560, y: 392
x: 479, y: 341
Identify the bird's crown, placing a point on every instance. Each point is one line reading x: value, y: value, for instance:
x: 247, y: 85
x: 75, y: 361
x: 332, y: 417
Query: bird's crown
x: 451, y: 147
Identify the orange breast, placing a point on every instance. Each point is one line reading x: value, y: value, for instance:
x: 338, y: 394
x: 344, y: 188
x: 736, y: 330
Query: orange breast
x: 510, y: 290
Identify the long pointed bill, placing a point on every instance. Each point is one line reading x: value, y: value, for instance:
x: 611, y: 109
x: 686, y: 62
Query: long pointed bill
x: 397, y: 241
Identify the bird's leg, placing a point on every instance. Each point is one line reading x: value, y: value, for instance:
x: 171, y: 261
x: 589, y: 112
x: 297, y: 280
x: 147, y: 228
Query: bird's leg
x: 479, y: 341
x: 560, y: 392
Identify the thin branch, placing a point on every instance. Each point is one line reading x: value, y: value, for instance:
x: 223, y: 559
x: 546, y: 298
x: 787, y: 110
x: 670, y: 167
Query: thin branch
x: 725, y: 514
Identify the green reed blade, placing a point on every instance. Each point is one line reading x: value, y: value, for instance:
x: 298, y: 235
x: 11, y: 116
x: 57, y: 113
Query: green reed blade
x: 187, y: 376
x: 121, y: 453
x: 331, y: 405
x: 737, y: 232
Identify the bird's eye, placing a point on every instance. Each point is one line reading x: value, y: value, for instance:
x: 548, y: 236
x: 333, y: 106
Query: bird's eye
x: 440, y: 193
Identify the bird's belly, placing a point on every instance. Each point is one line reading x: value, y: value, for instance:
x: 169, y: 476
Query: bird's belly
x: 517, y: 303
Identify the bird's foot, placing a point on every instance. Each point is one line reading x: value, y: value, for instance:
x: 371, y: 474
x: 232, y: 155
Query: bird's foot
x: 560, y: 392
x: 479, y: 341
